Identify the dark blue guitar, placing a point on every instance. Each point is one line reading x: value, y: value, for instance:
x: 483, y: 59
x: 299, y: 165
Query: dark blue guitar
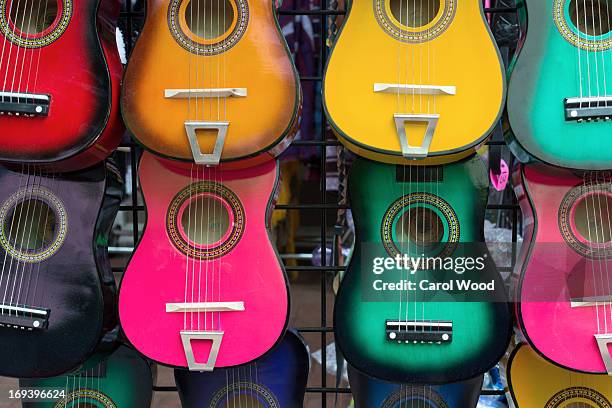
x: 369, y: 392
x: 277, y: 380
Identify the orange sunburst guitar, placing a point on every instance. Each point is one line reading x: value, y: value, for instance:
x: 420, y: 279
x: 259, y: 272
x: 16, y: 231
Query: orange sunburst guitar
x: 211, y: 81
x: 536, y: 383
x: 414, y: 79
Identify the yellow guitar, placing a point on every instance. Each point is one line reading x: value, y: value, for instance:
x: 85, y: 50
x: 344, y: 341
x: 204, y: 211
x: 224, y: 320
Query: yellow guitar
x: 414, y: 79
x: 536, y: 383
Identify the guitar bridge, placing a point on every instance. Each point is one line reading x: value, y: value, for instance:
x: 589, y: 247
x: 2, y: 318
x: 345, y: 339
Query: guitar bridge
x: 24, y: 104
x: 588, y: 109
x: 23, y: 317
x: 419, y: 331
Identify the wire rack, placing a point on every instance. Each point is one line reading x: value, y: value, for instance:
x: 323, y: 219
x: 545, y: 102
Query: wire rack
x: 503, y: 207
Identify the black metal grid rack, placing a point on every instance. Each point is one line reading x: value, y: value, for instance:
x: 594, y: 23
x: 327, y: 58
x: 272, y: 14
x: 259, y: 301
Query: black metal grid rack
x: 131, y: 20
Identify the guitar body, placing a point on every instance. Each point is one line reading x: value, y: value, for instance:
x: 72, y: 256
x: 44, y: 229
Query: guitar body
x: 535, y: 382
x: 369, y: 51
x: 251, y: 55
x: 123, y: 379
x: 372, y: 393
x: 82, y: 125
x: 206, y: 242
x: 58, y: 291
x: 276, y: 380
x: 480, y: 329
x: 561, y: 290
x: 550, y: 68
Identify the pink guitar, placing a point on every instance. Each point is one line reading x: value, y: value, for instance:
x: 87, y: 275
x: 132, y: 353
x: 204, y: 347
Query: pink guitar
x: 564, y: 290
x: 205, y: 287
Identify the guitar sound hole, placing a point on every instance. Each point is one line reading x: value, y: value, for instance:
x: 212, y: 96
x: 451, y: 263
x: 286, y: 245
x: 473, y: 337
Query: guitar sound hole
x: 592, y: 17
x: 415, y: 13
x: 420, y: 225
x: 209, y: 19
x: 244, y: 400
x: 33, y: 17
x: 592, y: 218
x: 205, y: 220
x: 31, y: 225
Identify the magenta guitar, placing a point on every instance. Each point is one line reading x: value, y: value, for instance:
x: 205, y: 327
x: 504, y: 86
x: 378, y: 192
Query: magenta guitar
x: 564, y: 289
x: 205, y: 287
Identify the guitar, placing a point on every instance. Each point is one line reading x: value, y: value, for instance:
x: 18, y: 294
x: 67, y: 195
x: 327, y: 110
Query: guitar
x: 277, y: 380
x: 372, y: 393
x: 224, y: 297
x: 388, y: 328
x: 534, y: 382
x: 562, y: 291
x: 402, y: 84
x: 233, y: 93
x: 559, y: 103
x: 59, y: 76
x: 123, y: 379
x: 58, y: 292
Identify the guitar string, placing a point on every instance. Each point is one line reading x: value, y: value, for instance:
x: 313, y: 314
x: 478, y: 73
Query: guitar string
x: 31, y: 247
x: 12, y: 31
x: 22, y: 35
x: 25, y: 50
x: 609, y: 50
x: 601, y: 240
x: 603, y: 55
x: 586, y: 202
x: 33, y: 51
x: 593, y: 28
x: 5, y: 39
x: 596, y: 260
x: 403, y: 167
x: 587, y: 55
x: 23, y: 253
x: 39, y: 53
x: 8, y: 237
x: 188, y: 209
x: 579, y: 52
x: 10, y: 267
x: 607, y: 243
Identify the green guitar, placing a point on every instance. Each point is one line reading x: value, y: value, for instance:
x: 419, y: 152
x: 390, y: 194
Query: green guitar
x: 560, y: 92
x: 123, y: 380
x: 412, y: 327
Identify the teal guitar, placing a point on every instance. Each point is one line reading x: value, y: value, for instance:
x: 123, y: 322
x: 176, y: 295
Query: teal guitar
x: 428, y: 334
x: 123, y: 379
x: 560, y: 93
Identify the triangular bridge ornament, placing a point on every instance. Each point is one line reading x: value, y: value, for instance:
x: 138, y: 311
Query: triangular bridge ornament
x: 415, y: 152
x: 192, y: 364
x: 208, y: 159
x: 603, y: 340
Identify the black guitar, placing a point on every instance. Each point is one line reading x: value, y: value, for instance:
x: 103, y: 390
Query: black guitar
x: 57, y: 292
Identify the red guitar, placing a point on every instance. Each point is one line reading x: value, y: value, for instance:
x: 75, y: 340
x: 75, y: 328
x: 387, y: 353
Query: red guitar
x: 59, y: 82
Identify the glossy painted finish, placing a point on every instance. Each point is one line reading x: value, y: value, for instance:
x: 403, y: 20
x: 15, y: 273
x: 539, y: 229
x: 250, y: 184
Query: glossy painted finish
x: 480, y: 330
x: 124, y: 378
x: 260, y: 124
x: 250, y: 272
x: 277, y: 380
x: 75, y: 283
x: 559, y: 332
x: 534, y: 382
x: 365, y: 54
x: 83, y: 125
x: 547, y: 71
x: 369, y: 392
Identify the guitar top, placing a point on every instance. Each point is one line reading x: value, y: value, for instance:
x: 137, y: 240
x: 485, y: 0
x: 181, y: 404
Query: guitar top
x: 561, y: 289
x: 123, y: 379
x: 61, y: 116
x: 402, y: 84
x: 559, y: 100
x: 369, y: 392
x: 233, y: 93
x: 58, y: 291
x: 389, y: 333
x: 205, y: 268
x: 534, y: 382
x: 277, y: 380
